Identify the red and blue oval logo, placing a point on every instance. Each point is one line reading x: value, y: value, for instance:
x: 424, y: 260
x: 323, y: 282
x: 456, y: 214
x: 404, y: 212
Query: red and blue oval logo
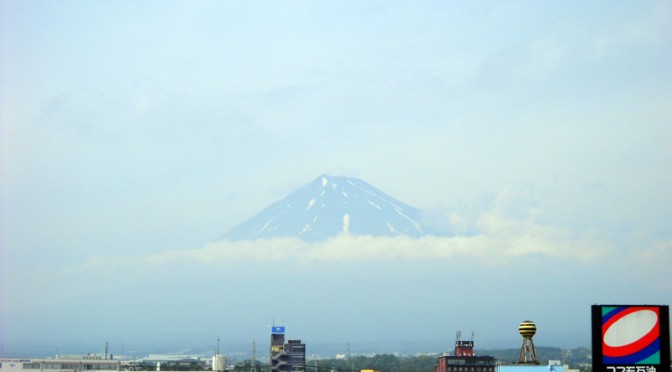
x: 631, y: 335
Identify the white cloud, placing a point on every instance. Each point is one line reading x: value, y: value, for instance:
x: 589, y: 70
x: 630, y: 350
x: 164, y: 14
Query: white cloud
x: 501, y: 241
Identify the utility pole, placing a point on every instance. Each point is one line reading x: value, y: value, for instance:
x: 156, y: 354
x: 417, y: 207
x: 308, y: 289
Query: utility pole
x: 253, y: 362
x: 352, y: 363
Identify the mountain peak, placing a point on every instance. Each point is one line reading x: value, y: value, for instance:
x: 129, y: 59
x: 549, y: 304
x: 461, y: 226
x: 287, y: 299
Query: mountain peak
x: 329, y: 206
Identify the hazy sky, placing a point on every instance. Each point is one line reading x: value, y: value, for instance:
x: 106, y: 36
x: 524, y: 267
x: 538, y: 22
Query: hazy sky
x: 134, y: 134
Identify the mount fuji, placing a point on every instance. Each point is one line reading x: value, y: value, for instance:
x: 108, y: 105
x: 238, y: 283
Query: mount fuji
x: 330, y: 206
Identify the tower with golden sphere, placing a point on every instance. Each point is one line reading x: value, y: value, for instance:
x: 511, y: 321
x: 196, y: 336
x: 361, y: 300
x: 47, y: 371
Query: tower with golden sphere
x: 528, y: 354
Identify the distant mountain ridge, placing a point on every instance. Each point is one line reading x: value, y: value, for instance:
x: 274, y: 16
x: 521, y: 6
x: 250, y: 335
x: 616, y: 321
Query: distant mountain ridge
x: 329, y: 206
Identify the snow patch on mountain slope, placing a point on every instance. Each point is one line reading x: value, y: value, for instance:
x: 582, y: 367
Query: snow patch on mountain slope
x: 391, y: 228
x: 346, y: 223
x: 412, y: 221
x: 263, y: 228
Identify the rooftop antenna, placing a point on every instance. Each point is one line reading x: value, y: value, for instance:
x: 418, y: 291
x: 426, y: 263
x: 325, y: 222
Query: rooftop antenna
x: 106, y: 346
x: 458, y: 336
x: 472, y: 336
x: 217, y: 346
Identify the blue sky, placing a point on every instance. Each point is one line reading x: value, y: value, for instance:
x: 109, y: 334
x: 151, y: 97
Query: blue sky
x: 134, y: 134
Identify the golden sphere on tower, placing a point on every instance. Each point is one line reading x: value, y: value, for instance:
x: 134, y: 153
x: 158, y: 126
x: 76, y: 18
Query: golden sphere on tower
x: 527, y: 329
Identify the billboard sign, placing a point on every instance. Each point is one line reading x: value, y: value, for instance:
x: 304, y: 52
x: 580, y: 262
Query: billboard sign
x: 278, y: 330
x: 631, y: 338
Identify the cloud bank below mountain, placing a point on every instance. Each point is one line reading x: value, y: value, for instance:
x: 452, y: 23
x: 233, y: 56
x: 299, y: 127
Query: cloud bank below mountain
x: 486, y: 281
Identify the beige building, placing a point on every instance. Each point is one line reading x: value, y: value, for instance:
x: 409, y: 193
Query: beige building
x: 82, y: 363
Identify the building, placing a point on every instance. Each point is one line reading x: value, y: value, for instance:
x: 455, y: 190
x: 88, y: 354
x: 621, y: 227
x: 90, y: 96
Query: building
x: 465, y: 360
x: 286, y: 357
x: 277, y: 343
x: 296, y: 355
x: 74, y: 364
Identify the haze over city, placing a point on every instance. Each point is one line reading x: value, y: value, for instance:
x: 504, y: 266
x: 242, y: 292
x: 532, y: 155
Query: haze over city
x: 536, y: 136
